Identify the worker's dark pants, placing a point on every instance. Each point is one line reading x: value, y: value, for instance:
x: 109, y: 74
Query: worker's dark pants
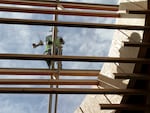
x: 49, y: 53
x: 48, y: 61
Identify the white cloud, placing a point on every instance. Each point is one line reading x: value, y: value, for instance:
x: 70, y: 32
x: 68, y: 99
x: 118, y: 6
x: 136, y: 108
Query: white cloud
x: 7, y: 107
x: 69, y: 106
x: 23, y: 103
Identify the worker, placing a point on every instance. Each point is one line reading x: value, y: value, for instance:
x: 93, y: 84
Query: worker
x: 58, y: 45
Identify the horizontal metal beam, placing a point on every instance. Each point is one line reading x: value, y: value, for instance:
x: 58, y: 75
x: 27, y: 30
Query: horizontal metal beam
x: 47, y: 82
x: 71, y: 91
x: 73, y: 5
x: 137, y: 44
x: 73, y: 58
x: 128, y: 107
x: 64, y: 72
x: 131, y: 76
x: 70, y: 24
x: 59, y: 12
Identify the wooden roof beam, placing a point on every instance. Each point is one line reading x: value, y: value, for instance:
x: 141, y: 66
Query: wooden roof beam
x: 47, y: 72
x: 71, y: 2
x: 71, y: 91
x: 73, y: 58
x: 138, y: 11
x: 131, y: 76
x: 128, y: 107
x: 47, y: 82
x: 70, y: 24
x: 137, y: 44
x: 64, y: 4
x: 60, y: 12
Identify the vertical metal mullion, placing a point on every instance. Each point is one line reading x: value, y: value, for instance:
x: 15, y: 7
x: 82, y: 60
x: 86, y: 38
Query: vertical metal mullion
x: 53, y: 52
x: 54, y: 36
x: 57, y: 76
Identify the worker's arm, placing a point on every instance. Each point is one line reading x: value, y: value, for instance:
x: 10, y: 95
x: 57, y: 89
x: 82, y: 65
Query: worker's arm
x: 39, y: 44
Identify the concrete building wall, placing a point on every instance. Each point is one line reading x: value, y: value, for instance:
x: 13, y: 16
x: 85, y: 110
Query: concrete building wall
x: 91, y: 102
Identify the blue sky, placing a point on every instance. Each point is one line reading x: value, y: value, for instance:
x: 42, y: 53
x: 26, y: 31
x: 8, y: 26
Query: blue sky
x: 78, y: 41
